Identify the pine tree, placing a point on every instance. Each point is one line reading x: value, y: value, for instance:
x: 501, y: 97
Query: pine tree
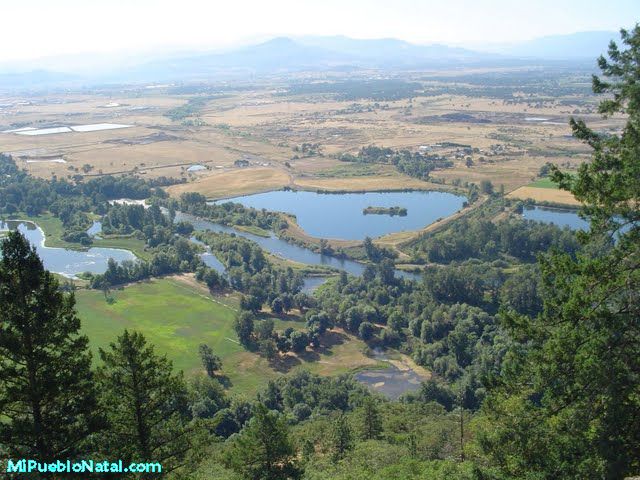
x: 371, y: 423
x: 47, y: 395
x: 145, y: 404
x: 568, y: 403
x: 341, y: 438
x: 263, y: 450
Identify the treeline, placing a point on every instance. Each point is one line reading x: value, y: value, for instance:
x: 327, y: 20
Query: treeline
x: 489, y: 240
x: 179, y: 256
x: 189, y: 109
x: 410, y: 163
x: 250, y: 272
x: 379, y: 90
x: 149, y: 223
x: 401, y: 211
x: 169, y: 248
x: 72, y: 203
x: 544, y: 87
x: 454, y: 339
x: 227, y: 213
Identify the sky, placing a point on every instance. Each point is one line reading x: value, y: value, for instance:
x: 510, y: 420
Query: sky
x: 34, y: 29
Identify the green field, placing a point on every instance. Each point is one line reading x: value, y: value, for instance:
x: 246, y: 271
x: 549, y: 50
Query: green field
x: 544, y: 183
x: 174, y: 318
x: 261, y: 232
x: 177, y: 317
x: 349, y: 170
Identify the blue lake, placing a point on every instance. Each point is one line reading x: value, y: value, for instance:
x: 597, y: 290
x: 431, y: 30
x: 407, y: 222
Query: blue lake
x: 339, y: 215
x: 557, y: 216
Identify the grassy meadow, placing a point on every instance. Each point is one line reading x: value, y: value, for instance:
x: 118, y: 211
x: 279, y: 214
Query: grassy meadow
x: 544, y: 183
x: 177, y: 316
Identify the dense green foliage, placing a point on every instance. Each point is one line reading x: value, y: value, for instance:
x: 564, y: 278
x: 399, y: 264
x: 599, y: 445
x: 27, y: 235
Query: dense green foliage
x: 460, y: 343
x: 249, y: 271
x: 568, y: 403
x: 71, y: 202
x: 47, y: 393
x: 170, y: 252
x: 263, y: 449
x: 487, y: 240
x: 189, y: 109
x: 145, y: 404
x: 227, y: 213
x: 179, y: 256
x: 414, y: 164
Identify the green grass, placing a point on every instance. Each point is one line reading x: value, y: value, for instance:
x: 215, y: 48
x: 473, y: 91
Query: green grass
x: 173, y: 317
x: 349, y: 170
x: 544, y: 183
x: 260, y: 232
x: 124, y: 242
x: 177, y: 318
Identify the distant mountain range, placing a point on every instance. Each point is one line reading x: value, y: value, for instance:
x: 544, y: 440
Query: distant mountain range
x: 282, y: 55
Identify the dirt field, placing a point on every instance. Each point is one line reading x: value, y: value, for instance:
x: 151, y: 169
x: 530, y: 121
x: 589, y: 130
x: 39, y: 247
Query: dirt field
x: 359, y: 184
x: 264, y: 128
x: 544, y: 195
x: 234, y: 182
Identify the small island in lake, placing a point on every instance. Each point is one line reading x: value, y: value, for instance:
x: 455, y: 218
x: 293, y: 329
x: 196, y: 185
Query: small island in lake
x: 401, y: 211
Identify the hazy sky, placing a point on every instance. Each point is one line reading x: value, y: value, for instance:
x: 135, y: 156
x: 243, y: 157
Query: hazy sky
x: 41, y: 28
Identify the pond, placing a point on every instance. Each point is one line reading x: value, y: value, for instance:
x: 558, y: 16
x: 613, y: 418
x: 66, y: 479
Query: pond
x: 312, y: 283
x: 95, y: 229
x: 63, y: 261
x: 558, y: 216
x: 340, y: 215
x: 392, y: 382
x: 286, y: 250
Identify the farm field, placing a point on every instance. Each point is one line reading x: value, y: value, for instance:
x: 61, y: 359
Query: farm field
x: 544, y: 183
x: 369, y: 183
x: 544, y: 194
x: 252, y: 139
x: 177, y: 315
x: 233, y: 183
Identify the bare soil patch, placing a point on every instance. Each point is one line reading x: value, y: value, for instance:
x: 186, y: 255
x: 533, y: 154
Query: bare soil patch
x: 544, y: 195
x: 230, y: 183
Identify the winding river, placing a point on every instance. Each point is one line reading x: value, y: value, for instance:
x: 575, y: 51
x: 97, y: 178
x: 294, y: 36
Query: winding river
x: 72, y: 262
x: 285, y: 249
